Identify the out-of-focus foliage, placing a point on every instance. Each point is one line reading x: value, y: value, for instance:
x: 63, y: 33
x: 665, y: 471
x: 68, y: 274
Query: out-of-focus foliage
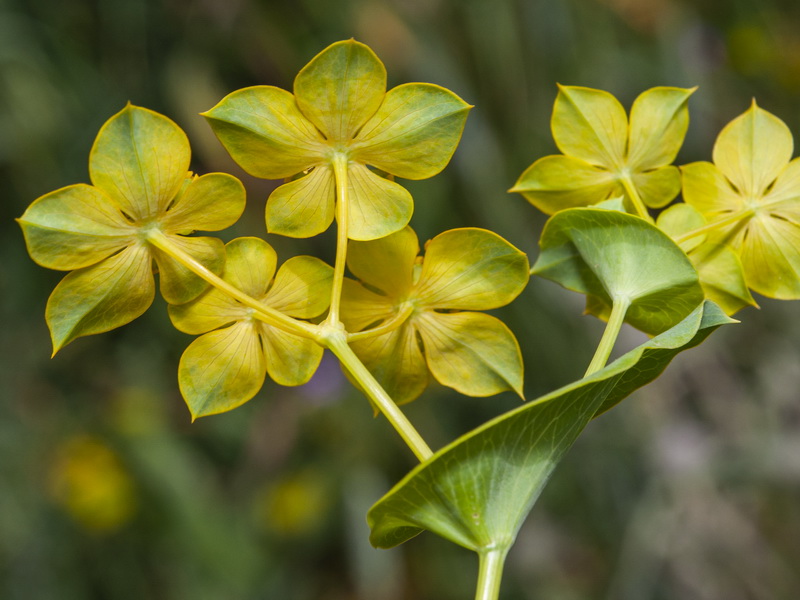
x: 708, y: 454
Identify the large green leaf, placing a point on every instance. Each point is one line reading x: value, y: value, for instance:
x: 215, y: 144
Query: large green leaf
x: 616, y: 257
x: 478, y: 490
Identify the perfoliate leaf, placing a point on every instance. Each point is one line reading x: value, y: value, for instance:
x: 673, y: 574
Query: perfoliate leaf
x: 386, y: 264
x: 291, y: 359
x: 341, y: 88
x: 302, y: 287
x: 618, y: 257
x: 101, y: 297
x: 415, y: 131
x: 209, y: 203
x: 658, y: 187
x: 478, y: 490
x: 473, y: 353
x: 74, y: 227
x: 140, y: 159
x: 753, y: 192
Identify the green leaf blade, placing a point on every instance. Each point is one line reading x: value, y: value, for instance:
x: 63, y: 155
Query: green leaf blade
x: 478, y: 490
x: 607, y: 255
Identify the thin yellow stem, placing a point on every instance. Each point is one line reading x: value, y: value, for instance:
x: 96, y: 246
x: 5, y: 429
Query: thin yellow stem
x: 342, y: 215
x: 714, y: 225
x: 262, y: 311
x: 386, y: 327
x: 336, y: 341
x: 635, y: 199
x: 615, y: 321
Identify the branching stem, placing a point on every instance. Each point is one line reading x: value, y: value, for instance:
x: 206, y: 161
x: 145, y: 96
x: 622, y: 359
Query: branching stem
x: 386, y: 327
x: 338, y: 345
x: 615, y: 321
x: 263, y: 312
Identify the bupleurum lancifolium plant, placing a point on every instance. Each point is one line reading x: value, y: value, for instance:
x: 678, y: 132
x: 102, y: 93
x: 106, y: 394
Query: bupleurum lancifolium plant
x: 674, y: 269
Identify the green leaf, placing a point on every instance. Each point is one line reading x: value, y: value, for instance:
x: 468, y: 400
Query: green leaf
x: 378, y: 206
x: 74, y: 227
x: 618, y: 257
x: 222, y: 369
x: 140, y: 159
x: 590, y: 125
x: 659, y: 119
x: 341, y: 88
x: 415, y: 131
x: 304, y: 207
x: 473, y: 353
x: 101, y: 297
x: 471, y: 269
x: 478, y: 490
x: 554, y: 183
x: 264, y: 131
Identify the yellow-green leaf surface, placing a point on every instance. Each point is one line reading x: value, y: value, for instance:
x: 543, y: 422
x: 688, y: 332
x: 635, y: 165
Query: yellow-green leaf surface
x: 74, y: 227
x: 462, y: 269
x: 720, y: 270
x: 478, y: 490
x: 604, y: 155
x: 140, y: 159
x: 473, y: 353
x: 554, y: 183
x: 415, y: 131
x: 340, y: 113
x: 101, y: 297
x: 753, y: 192
x: 177, y: 283
x: 208, y: 372
x: 471, y: 269
x: 341, y: 88
x: 615, y: 257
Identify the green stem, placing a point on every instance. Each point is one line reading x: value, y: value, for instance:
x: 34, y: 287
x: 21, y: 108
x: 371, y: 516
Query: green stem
x: 386, y: 327
x: 635, y: 199
x: 336, y: 341
x: 615, y: 321
x: 489, y: 574
x: 714, y: 225
x: 342, y: 210
x: 262, y: 311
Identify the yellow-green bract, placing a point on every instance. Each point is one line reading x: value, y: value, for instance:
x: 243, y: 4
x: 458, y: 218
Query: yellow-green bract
x: 340, y: 110
x: 226, y: 366
x: 605, y: 155
x: 463, y: 270
x: 141, y: 186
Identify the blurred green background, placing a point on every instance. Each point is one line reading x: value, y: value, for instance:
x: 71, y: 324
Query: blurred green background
x: 690, y: 490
